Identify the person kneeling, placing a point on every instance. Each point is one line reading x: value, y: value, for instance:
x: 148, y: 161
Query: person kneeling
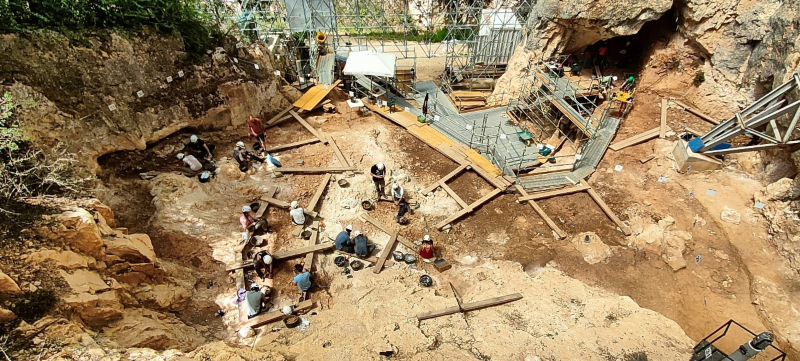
x: 426, y: 251
x: 343, y: 241
x: 257, y: 299
x: 363, y: 248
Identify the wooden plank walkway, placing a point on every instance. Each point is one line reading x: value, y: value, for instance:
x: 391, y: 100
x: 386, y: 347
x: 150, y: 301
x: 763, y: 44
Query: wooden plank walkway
x: 313, y: 96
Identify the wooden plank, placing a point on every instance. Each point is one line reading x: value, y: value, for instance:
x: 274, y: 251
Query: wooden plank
x: 370, y: 259
x: 696, y: 112
x: 453, y: 194
x: 316, y: 170
x: 606, y: 209
x: 467, y: 307
x: 662, y: 130
x: 549, y: 169
x: 278, y: 116
x: 289, y: 116
x: 263, y: 207
x: 285, y: 205
x: 301, y: 251
x: 313, y: 96
x: 310, y: 128
x: 647, y: 158
x: 403, y: 240
x: 469, y: 208
x: 446, y: 178
x: 553, y: 193
x: 597, y: 71
x: 636, y: 139
x: 387, y: 250
x: 693, y: 132
x: 291, y: 145
x: 309, y: 261
x: 273, y: 316
x: 336, y: 150
x: 488, y: 177
x: 312, y: 204
x: 561, y: 234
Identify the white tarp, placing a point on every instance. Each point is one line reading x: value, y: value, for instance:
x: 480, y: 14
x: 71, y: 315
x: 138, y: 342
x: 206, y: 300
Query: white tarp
x: 370, y: 63
x: 497, y: 19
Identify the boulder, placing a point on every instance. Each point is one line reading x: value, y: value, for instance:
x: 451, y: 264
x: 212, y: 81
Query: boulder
x: 104, y: 211
x: 131, y: 247
x: 673, y: 247
x: 782, y: 190
x: 7, y: 285
x: 79, y: 230
x: 163, y: 296
x: 84, y: 281
x: 96, y: 310
x: 65, y: 259
x: 591, y: 247
x: 6, y: 315
x: 148, y: 329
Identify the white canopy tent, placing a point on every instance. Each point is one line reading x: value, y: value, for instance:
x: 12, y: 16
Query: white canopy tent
x: 370, y: 63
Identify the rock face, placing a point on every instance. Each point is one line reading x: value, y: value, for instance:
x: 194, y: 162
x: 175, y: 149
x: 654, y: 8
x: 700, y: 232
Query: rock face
x: 77, y: 227
x: 134, y: 248
x: 65, y: 259
x: 147, y: 329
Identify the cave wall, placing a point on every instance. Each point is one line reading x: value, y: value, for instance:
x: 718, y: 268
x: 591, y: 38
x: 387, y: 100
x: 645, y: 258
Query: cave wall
x: 64, y: 88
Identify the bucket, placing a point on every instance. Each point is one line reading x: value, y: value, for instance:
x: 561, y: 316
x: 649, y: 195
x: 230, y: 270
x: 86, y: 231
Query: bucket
x: 367, y: 205
x: 343, y: 183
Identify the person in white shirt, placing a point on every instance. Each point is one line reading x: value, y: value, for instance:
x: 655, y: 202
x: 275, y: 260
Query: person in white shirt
x: 297, y: 213
x: 397, y: 193
x: 193, y: 166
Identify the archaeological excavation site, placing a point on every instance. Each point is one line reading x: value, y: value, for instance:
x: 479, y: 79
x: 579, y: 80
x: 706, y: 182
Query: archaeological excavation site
x: 531, y: 180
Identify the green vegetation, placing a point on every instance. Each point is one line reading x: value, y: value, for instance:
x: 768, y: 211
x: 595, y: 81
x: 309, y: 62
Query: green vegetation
x: 428, y: 36
x: 699, y: 77
x: 167, y: 16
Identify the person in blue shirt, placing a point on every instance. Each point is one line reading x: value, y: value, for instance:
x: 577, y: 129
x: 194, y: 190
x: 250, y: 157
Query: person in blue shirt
x: 343, y: 242
x: 302, y: 277
x: 363, y: 248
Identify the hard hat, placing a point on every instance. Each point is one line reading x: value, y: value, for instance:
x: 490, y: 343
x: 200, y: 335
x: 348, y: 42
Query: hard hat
x: 614, y: 78
x: 426, y: 238
x: 193, y: 138
x: 395, y: 186
x: 380, y: 166
x: 293, y: 205
x: 349, y: 227
x: 180, y: 155
x: 287, y: 310
x: 240, y: 144
x: 245, y: 209
x: 267, y: 259
x: 358, y: 233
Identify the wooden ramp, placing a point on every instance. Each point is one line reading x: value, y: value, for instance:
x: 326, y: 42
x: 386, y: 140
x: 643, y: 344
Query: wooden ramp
x: 313, y: 96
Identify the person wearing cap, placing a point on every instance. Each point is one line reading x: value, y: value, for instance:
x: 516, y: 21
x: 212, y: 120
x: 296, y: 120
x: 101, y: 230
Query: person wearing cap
x: 256, y: 300
x: 426, y: 251
x: 363, y: 248
x: 297, y: 213
x: 251, y: 224
x: 200, y: 147
x: 262, y: 262
x: 343, y: 241
x: 192, y: 165
x: 256, y: 128
x: 607, y: 82
x: 243, y: 157
x: 378, y: 172
x: 302, y: 277
x: 397, y: 193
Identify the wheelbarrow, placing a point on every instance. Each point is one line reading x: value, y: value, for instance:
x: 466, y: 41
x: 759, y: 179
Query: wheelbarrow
x: 526, y: 137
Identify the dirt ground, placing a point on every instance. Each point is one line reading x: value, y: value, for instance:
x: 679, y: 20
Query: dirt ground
x: 699, y: 297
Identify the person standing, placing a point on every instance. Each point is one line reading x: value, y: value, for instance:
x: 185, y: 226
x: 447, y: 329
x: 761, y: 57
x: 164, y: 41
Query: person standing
x: 302, y: 277
x: 256, y: 128
x: 378, y: 172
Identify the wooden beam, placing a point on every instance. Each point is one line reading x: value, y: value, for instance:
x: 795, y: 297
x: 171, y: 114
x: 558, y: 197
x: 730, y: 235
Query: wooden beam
x: 693, y: 132
x: 370, y: 259
x: 553, y: 193
x: 301, y: 251
x: 696, y: 112
x: 278, y: 116
x: 662, y: 130
x: 289, y: 116
x: 311, y: 129
x: 336, y: 150
x: 469, y: 208
x: 597, y: 199
x: 291, y: 145
x: 453, y: 194
x: 446, y: 178
x: 403, y: 240
x: 312, y: 204
x: 273, y: 316
x: 309, y: 261
x: 387, y: 250
x: 488, y: 177
x: 285, y: 205
x: 316, y: 170
x: 561, y: 234
x: 263, y: 207
x: 636, y: 139
x: 467, y: 307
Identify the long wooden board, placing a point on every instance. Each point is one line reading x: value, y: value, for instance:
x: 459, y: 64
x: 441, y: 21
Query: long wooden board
x: 312, y: 204
x: 382, y: 227
x: 636, y: 139
x: 339, y: 155
x: 278, y: 116
x: 284, y: 255
x: 316, y: 170
x: 313, y: 96
x: 285, y: 205
x: 469, y: 208
x: 696, y: 112
x: 309, y: 261
x: 310, y: 128
x: 553, y: 193
x: 597, y: 199
x: 561, y: 234
x: 263, y: 207
x: 301, y: 143
x: 446, y: 178
x: 453, y: 194
x: 466, y: 307
x: 286, y: 117
x: 387, y: 250
x: 662, y: 130
x: 273, y: 316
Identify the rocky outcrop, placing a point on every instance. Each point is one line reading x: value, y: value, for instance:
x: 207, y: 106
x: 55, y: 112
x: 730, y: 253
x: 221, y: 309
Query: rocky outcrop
x: 158, y: 331
x: 8, y: 285
x: 660, y: 239
x: 78, y: 229
x: 63, y: 259
x: 591, y: 247
x: 135, y: 248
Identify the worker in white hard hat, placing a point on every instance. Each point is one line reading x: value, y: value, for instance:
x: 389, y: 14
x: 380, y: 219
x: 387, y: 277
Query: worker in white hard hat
x: 343, y: 241
x: 378, y: 172
x: 243, y: 157
x: 363, y: 248
x: 297, y: 213
x: 398, y: 193
x: 252, y: 225
x: 192, y: 166
x: 426, y: 251
x: 607, y: 82
x: 201, y: 148
x: 256, y: 300
x: 262, y: 262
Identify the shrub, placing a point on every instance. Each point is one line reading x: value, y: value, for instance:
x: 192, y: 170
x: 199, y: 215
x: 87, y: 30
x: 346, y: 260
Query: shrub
x: 699, y: 78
